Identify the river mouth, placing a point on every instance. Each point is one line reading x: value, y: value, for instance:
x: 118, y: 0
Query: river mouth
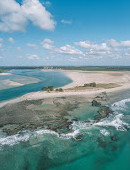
x: 31, y: 80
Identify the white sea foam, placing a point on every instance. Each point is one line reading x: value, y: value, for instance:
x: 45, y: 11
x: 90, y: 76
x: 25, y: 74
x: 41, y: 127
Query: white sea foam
x: 116, y: 120
x: 26, y: 135
x: 43, y: 131
x: 121, y: 105
x: 70, y: 135
x: 113, y: 121
x: 14, y: 139
x: 104, y: 132
x: 82, y: 125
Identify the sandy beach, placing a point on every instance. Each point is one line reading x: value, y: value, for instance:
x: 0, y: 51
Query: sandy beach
x: 79, y: 78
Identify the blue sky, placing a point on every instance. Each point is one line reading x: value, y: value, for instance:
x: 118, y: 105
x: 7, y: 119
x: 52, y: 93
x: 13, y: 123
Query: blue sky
x: 64, y: 32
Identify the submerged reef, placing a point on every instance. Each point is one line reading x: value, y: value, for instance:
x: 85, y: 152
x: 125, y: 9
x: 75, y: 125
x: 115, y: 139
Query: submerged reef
x: 56, y: 114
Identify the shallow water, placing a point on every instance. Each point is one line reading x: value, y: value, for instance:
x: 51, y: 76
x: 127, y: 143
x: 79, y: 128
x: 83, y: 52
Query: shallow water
x: 104, y: 145
x: 36, y: 79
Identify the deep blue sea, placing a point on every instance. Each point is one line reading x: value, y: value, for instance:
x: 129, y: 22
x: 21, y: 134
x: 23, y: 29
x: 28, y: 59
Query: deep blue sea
x: 105, y: 144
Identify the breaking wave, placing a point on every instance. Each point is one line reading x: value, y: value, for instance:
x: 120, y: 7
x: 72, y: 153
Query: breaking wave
x: 121, y: 105
x: 27, y: 135
x: 114, y: 120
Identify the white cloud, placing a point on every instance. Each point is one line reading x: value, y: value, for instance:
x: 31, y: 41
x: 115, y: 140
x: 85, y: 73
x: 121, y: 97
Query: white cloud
x: 14, y: 17
x: 33, y: 46
x: 11, y: 16
x: 110, y: 48
x: 66, y: 21
x: 0, y: 45
x: 46, y: 40
x: 37, y: 13
x: 33, y: 57
x: 89, y: 45
x: 11, y: 40
x: 114, y: 43
x: 90, y: 50
x: 125, y: 43
x: 68, y: 49
x: 48, y: 46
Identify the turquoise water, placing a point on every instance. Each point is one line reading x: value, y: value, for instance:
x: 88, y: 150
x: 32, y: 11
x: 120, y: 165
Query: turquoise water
x: 105, y: 145
x: 56, y: 79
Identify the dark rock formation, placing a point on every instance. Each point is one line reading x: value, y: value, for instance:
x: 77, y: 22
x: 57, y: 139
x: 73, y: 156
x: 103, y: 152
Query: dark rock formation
x: 75, y: 119
x: 95, y: 103
x: 102, y: 97
x: 79, y: 137
x: 101, y: 143
x: 105, y: 111
x: 114, y: 138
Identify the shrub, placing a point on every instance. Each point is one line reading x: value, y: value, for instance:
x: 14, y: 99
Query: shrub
x: 50, y: 88
x: 59, y: 90
x: 93, y: 84
x: 44, y: 88
x: 90, y: 85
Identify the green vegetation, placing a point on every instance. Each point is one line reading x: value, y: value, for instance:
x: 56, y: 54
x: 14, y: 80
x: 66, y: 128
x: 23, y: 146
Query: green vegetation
x: 1, y: 71
x: 94, y: 68
x: 90, y: 85
x: 107, y: 86
x: 49, y: 88
x: 83, y: 68
x: 59, y: 90
x: 44, y: 89
x: 94, y: 85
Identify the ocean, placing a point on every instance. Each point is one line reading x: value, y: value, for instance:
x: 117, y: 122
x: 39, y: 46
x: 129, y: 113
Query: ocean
x: 104, y: 145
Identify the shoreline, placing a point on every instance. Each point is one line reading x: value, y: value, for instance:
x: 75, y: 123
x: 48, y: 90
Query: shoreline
x: 80, y: 78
